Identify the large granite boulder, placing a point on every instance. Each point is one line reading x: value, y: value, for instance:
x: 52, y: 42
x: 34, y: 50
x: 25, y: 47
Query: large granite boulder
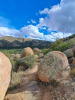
x: 5, y: 70
x: 54, y: 66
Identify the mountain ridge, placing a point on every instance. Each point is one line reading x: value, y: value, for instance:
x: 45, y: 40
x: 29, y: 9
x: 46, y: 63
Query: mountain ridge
x: 9, y: 42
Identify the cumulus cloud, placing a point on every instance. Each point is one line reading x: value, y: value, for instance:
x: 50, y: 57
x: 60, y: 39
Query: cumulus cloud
x: 53, y: 36
x: 60, y: 17
x: 32, y: 31
x: 4, y: 31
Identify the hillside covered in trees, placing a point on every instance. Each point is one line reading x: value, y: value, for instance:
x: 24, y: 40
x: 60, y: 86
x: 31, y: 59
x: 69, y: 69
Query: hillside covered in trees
x: 10, y: 42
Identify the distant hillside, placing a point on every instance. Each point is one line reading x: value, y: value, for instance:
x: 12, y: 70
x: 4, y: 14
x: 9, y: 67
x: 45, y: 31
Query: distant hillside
x: 69, y: 38
x: 10, y: 42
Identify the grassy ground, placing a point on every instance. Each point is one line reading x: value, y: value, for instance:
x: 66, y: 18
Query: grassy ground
x: 11, y: 51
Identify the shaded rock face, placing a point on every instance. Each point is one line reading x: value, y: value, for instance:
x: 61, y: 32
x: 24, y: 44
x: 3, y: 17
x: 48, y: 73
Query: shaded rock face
x: 69, y: 53
x: 73, y: 49
x: 5, y: 70
x: 54, y: 66
x: 26, y: 51
x: 36, y: 51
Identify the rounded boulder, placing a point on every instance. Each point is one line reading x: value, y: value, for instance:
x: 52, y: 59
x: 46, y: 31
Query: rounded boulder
x: 26, y: 51
x: 36, y: 51
x: 54, y: 66
x: 69, y: 53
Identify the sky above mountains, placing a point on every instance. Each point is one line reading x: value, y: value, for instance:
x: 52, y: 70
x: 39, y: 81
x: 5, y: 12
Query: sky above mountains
x: 37, y: 19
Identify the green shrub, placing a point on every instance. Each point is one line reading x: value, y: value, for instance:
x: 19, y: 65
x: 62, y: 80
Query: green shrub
x: 28, y: 62
x: 59, y: 45
x: 45, y: 51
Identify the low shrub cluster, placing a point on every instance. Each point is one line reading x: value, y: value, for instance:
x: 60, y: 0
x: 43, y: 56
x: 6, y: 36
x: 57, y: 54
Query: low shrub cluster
x: 59, y: 45
x: 27, y: 62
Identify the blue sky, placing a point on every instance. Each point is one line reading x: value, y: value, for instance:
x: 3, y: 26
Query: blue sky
x: 37, y: 19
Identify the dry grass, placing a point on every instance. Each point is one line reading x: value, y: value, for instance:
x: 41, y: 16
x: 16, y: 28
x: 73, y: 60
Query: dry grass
x: 16, y: 80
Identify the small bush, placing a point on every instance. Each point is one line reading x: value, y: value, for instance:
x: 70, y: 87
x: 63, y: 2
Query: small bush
x: 59, y: 45
x: 45, y: 51
x: 27, y: 62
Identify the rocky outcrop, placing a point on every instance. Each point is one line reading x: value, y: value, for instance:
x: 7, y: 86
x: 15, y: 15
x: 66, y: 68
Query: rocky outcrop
x: 26, y: 51
x: 54, y: 66
x: 5, y: 70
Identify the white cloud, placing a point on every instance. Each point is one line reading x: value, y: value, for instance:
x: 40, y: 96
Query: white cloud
x: 33, y: 21
x: 28, y: 21
x: 32, y: 31
x: 4, y: 31
x: 45, y: 11
x: 60, y: 17
x: 53, y: 36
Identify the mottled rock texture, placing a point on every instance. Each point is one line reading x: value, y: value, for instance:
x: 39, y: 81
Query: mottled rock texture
x: 54, y: 66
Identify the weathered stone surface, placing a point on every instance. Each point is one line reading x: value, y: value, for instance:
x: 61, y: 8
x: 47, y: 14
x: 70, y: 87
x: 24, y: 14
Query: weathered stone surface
x: 32, y: 92
x: 5, y: 70
x: 26, y: 51
x: 53, y: 66
x: 36, y: 50
x: 64, y: 91
x: 28, y: 89
x: 47, y: 96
